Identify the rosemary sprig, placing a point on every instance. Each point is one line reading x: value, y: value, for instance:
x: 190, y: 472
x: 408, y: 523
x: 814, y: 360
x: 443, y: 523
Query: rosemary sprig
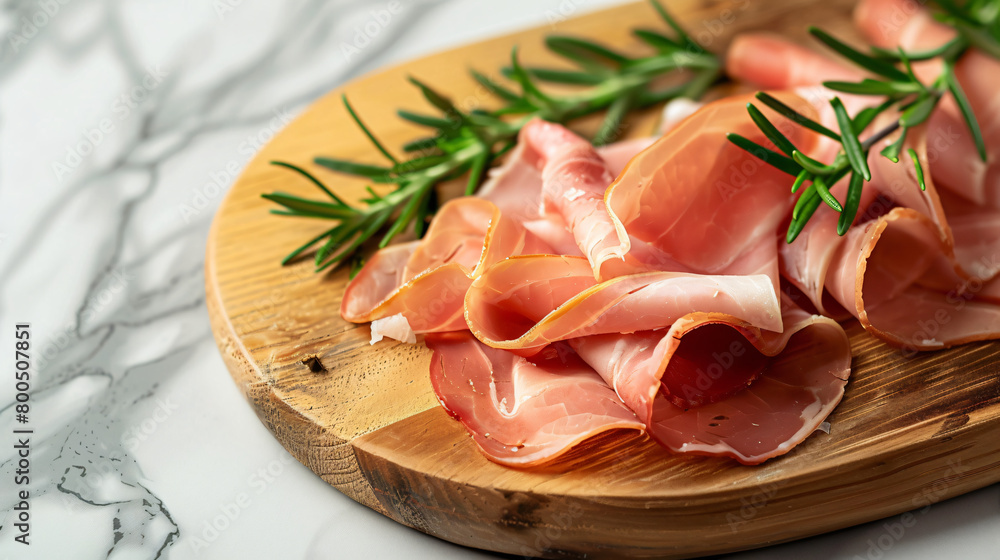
x: 467, y: 143
x: 977, y: 23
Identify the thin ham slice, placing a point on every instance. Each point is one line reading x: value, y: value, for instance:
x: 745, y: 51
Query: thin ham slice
x: 919, y: 267
x: 528, y: 302
x: 653, y: 329
x: 667, y: 270
x: 715, y: 385
x: 574, y: 178
x: 522, y: 412
x: 700, y: 201
x: 425, y: 281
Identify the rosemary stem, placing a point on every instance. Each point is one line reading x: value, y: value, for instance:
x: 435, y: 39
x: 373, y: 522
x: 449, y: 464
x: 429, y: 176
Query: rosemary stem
x: 875, y: 138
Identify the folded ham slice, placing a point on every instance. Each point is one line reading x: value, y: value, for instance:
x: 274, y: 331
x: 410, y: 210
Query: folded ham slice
x: 526, y: 303
x: 425, y: 281
x: 522, y: 412
x: 701, y: 202
x: 647, y: 305
x: 715, y: 385
x: 919, y: 268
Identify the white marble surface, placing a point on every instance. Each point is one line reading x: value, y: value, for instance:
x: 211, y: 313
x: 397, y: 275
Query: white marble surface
x: 141, y: 441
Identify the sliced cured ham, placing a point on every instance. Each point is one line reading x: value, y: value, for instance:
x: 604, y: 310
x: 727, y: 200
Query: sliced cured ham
x: 425, y: 281
x: 700, y: 201
x: 528, y: 302
x: 955, y: 159
x: 647, y: 304
x: 574, y: 178
x: 522, y: 412
x: 906, y: 268
x: 715, y: 385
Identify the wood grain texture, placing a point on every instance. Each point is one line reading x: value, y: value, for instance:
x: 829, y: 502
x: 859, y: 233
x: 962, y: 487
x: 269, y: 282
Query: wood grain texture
x: 908, y: 433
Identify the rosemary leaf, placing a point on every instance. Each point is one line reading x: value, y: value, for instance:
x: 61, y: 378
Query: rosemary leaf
x: 802, y: 177
x: 919, y: 111
x: 769, y: 130
x: 495, y: 88
x: 476, y: 172
x: 919, y: 169
x: 796, y: 117
x: 352, y: 168
x: 804, y: 209
x: 891, y: 152
x: 425, y: 120
x: 610, y: 127
x: 863, y: 60
x: 779, y: 161
x: 312, y: 178
x: 852, y: 146
x: 657, y: 40
x: 868, y: 114
x: 825, y: 195
x: 811, y: 165
x: 291, y: 256
x: 874, y: 87
x: 685, y: 39
x: 559, y: 76
x: 915, y: 56
x: 851, y: 204
x: 583, y: 51
x: 371, y: 137
x: 963, y: 104
x: 313, y: 207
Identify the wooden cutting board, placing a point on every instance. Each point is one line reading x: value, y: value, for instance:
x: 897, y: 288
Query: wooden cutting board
x: 908, y: 433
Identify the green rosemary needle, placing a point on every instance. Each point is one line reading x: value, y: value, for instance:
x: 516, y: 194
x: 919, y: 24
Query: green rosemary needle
x: 977, y: 23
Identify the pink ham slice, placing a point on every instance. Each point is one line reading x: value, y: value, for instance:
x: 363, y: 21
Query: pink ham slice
x: 696, y: 201
x: 519, y: 412
x: 530, y: 404
x: 525, y: 303
x: 426, y: 280
x: 715, y: 385
x: 919, y: 271
x: 574, y: 178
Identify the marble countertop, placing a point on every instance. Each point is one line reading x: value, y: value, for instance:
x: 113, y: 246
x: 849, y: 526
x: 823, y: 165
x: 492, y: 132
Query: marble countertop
x: 116, y: 118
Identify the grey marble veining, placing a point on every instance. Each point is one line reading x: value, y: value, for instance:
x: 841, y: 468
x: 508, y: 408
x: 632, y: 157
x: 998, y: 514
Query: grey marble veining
x: 122, y: 124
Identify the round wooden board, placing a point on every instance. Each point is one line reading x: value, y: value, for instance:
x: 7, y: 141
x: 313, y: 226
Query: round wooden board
x: 908, y: 433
